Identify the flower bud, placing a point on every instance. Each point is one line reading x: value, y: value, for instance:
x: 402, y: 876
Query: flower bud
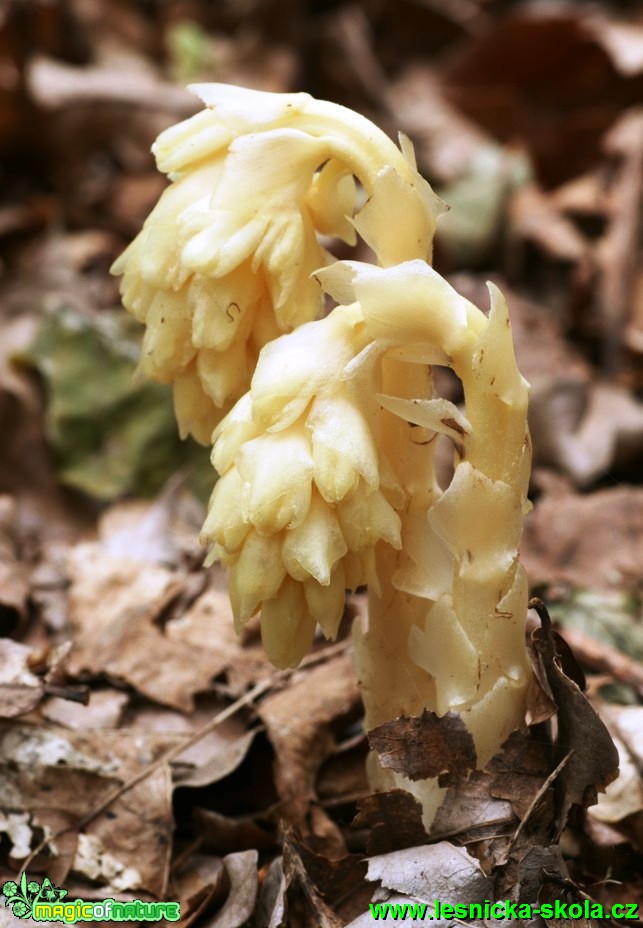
x: 224, y: 524
x: 287, y: 627
x: 276, y: 470
x: 256, y: 576
x: 366, y: 517
x: 326, y: 603
x: 294, y: 368
x: 343, y: 447
x: 313, y: 547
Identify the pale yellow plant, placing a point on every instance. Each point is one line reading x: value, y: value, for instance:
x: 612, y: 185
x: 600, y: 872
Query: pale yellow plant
x: 224, y: 262
x: 326, y: 466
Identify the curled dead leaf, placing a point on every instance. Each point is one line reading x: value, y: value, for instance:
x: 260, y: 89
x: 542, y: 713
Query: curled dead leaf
x: 424, y: 747
x: 593, y: 758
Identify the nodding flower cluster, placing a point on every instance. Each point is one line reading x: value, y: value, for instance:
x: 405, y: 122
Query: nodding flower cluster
x: 225, y: 261
x: 324, y: 429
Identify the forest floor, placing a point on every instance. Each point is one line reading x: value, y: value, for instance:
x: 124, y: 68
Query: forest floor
x: 147, y: 753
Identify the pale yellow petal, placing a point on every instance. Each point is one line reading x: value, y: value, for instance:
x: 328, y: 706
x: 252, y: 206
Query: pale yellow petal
x: 241, y: 108
x: 277, y: 471
x: 256, y: 576
x: 194, y: 411
x: 326, y: 603
x: 287, y: 627
x: 411, y: 303
x: 186, y: 144
x: 394, y: 221
x: 167, y: 344
x: 224, y: 524
x: 224, y: 307
x: 293, y: 368
x: 331, y: 201
x: 313, y: 548
x: 224, y: 374
x: 443, y: 649
x: 237, y: 428
x: 365, y: 518
x: 343, y: 447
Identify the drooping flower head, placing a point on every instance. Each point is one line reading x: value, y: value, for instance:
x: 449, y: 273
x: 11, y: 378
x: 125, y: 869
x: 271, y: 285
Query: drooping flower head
x: 224, y: 262
x: 304, y: 495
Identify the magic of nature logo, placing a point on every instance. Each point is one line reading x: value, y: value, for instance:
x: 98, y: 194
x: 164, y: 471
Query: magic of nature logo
x: 46, y: 902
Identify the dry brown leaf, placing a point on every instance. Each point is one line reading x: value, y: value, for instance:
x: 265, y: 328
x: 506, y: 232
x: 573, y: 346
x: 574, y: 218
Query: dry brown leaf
x: 104, y: 710
x: 485, y: 809
x: 424, y: 747
x: 55, y: 85
x: 225, y: 835
x: 340, y: 882
x: 525, y: 877
x: 303, y: 906
x: 423, y: 874
x: 624, y: 796
x: 269, y: 912
x: 581, y: 735
x: 300, y: 720
x: 516, y: 81
x: 446, y: 141
x: 533, y: 217
x: 581, y: 196
x: 602, y: 657
x: 58, y: 777
x: 623, y: 40
x: 20, y: 689
x: 199, y: 885
x: 633, y: 334
x: 342, y: 777
x: 241, y: 869
x: 520, y: 770
x: 392, y: 820
x: 129, y: 846
x: 160, y: 531
x: 627, y: 721
x: 214, y: 756
x: 139, y: 531
x: 349, y: 33
x: 618, y: 815
x: 439, y: 870
x: 619, y: 250
x: 113, y: 606
x: 587, y: 541
x: 585, y: 430
x: 473, y: 816
x: 208, y: 625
